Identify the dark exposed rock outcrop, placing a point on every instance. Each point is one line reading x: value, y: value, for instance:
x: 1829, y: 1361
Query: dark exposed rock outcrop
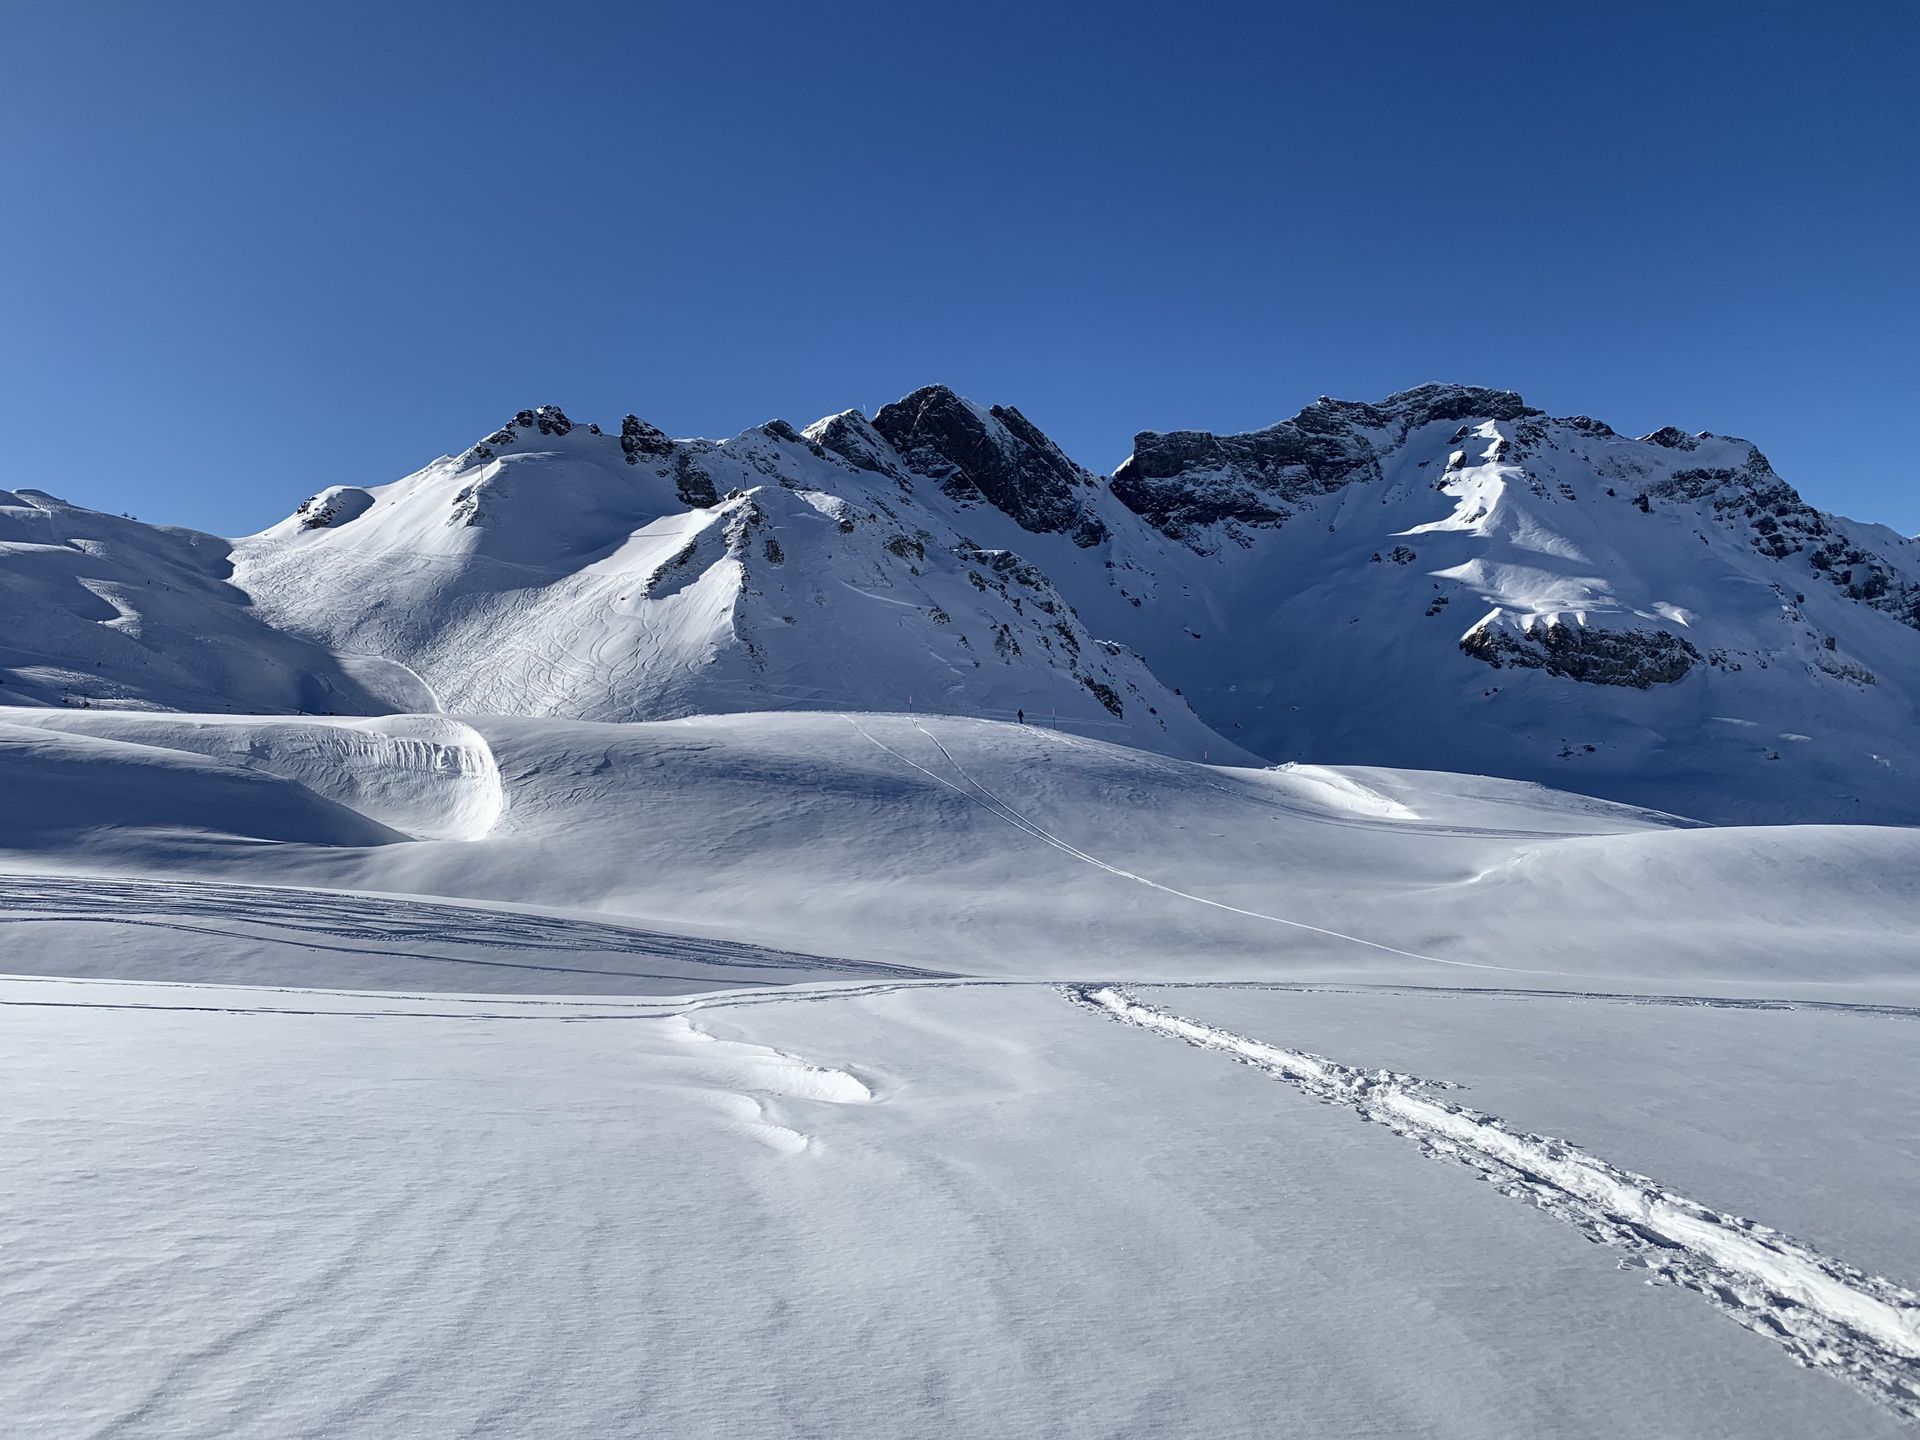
x: 544, y: 419
x: 638, y: 439
x: 1637, y: 658
x: 1672, y: 437
x: 692, y: 484
x: 998, y: 455
x: 1781, y: 525
x: 1184, y: 481
x: 332, y: 507
x: 850, y: 436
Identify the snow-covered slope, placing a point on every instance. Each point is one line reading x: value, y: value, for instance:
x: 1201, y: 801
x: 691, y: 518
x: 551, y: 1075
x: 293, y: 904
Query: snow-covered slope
x: 104, y: 610
x: 341, y: 1051
x: 1448, y: 579
x: 872, y: 1071
x: 558, y: 570
x: 942, y: 844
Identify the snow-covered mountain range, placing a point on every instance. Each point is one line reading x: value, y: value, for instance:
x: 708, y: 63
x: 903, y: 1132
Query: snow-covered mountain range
x: 1447, y: 579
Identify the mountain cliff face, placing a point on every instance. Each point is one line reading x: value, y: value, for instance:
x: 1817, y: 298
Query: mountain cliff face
x: 995, y: 455
x: 1189, y: 482
x: 1448, y: 578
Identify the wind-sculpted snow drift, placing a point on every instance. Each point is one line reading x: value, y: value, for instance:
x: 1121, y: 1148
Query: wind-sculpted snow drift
x: 1448, y: 579
x: 426, y: 776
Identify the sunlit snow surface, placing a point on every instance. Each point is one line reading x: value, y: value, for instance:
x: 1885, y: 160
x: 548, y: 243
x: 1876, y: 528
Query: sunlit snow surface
x: 1407, y: 599
x: 799, y: 1075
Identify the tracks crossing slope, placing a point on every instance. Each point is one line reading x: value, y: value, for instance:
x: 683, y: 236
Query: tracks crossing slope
x: 1826, y: 1314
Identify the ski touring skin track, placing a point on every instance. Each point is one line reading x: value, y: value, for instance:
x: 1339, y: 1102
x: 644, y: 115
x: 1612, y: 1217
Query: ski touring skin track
x: 1825, y: 1314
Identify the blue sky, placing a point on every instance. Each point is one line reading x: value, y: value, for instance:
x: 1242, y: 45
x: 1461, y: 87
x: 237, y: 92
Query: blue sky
x: 251, y: 250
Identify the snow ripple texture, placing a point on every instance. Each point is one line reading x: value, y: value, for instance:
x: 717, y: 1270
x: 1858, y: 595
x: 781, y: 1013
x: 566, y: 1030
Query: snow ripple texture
x: 1825, y: 1314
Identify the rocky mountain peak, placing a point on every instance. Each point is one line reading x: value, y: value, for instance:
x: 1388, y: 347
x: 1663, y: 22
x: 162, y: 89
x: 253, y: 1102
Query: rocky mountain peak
x: 1672, y: 437
x: 1406, y: 410
x: 997, y: 454
x: 851, y: 436
x: 542, y: 419
x: 1426, y: 403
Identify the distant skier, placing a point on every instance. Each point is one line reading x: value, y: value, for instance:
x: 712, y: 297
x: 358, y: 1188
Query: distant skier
x: 1020, y: 717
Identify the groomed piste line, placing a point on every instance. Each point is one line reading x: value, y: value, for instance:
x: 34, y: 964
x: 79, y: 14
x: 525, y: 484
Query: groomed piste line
x: 1827, y: 1315
x: 1000, y: 810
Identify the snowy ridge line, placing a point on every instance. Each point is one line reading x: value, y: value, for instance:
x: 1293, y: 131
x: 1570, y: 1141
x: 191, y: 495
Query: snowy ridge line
x: 998, y: 808
x: 1825, y: 1314
x: 1147, y: 760
x: 823, y: 700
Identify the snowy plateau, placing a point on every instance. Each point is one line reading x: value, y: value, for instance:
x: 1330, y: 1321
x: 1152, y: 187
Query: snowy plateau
x: 1401, y: 923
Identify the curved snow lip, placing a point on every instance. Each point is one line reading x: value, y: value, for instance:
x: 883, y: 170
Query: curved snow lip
x: 444, y: 780
x: 1825, y: 1314
x: 426, y: 777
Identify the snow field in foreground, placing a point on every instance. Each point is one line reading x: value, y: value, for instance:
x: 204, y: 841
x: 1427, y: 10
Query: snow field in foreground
x: 1006, y: 1218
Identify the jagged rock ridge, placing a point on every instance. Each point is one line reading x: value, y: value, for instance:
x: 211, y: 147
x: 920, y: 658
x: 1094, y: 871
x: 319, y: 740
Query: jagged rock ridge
x: 998, y: 455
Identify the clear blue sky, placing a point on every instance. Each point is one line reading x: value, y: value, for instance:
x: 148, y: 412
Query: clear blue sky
x: 249, y: 250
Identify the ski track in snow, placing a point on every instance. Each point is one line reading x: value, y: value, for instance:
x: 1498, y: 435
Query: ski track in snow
x: 1825, y: 1314
x: 1494, y: 992
x: 998, y: 808
x: 587, y: 1008
x: 372, y: 924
